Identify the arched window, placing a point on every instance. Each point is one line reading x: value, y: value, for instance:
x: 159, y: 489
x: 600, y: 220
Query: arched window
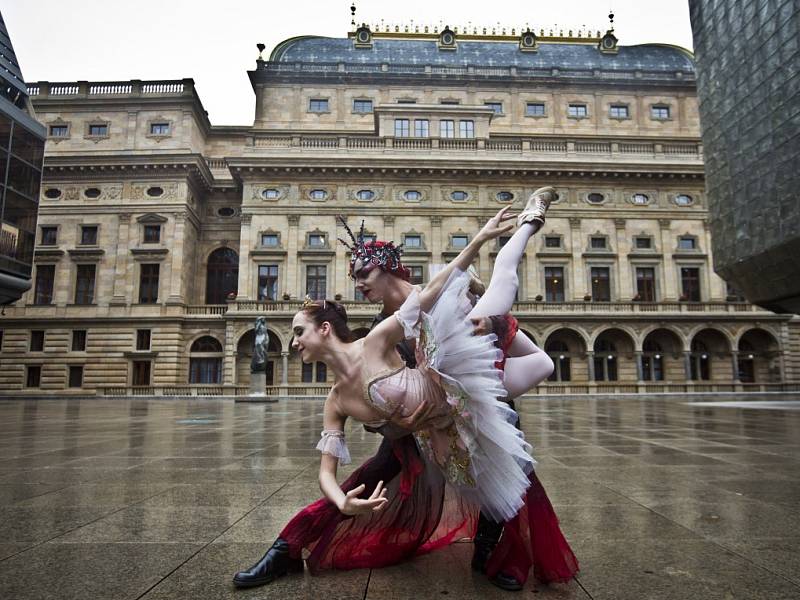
x: 700, y: 362
x: 222, y: 275
x: 559, y: 352
x: 605, y: 361
x: 652, y: 361
x: 205, y: 361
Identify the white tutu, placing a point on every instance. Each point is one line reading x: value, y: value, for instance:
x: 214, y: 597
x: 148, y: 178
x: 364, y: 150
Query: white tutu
x: 491, y: 459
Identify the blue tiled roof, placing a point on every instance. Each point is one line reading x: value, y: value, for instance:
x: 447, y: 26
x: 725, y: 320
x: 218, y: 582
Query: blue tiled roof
x: 646, y: 57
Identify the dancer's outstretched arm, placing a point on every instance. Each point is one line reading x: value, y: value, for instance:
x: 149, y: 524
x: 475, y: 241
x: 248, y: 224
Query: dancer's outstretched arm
x: 495, y: 227
x: 388, y: 333
x: 349, y: 503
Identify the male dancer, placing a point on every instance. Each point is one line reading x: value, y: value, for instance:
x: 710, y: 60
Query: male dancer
x: 381, y: 277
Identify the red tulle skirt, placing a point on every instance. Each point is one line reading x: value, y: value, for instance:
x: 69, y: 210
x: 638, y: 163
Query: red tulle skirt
x: 424, y: 514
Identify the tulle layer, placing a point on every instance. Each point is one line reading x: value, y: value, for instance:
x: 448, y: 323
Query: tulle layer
x: 496, y: 457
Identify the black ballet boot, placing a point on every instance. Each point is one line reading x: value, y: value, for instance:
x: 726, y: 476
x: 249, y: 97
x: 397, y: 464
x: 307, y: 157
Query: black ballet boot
x: 486, y: 538
x: 275, y: 563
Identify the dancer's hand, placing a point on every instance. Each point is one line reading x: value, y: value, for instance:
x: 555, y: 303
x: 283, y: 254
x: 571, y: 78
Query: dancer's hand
x: 413, y: 421
x: 481, y: 326
x: 496, y: 226
x: 353, y: 505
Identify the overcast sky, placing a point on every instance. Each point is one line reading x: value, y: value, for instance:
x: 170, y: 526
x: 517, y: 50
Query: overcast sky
x: 214, y: 42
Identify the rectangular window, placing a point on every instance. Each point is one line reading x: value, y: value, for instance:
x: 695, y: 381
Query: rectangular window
x: 79, y: 340
x: 45, y: 277
x: 618, y: 111
x: 49, y: 236
x: 466, y: 129
x: 148, y: 283
x: 406, y: 101
x: 577, y: 110
x: 75, y: 376
x: 459, y: 241
x: 98, y: 130
x: 362, y: 106
x: 267, y: 282
x: 33, y: 377
x: 497, y: 107
x: 554, y: 284
x: 687, y: 243
x: 140, y: 372
x: 552, y: 241
x: 316, y: 281
x: 690, y: 283
x: 59, y: 130
x: 450, y: 102
x: 143, y: 339
x: 307, y: 375
x: 646, y: 284
x: 314, y: 372
x: 643, y: 243
x: 534, y: 109
x: 598, y: 242
x: 88, y: 235
x: 416, y: 274
x: 316, y: 240
x: 270, y: 239
x: 659, y: 112
x: 152, y: 234
x: 37, y: 340
x: 421, y: 128
x: 447, y: 128
x: 84, y: 284
x: 401, y: 128
x: 601, y: 288
x: 159, y: 128
x: 412, y: 241
x: 318, y: 105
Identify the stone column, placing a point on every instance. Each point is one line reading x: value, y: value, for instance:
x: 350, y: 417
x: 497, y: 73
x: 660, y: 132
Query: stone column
x: 437, y: 243
x: 245, y: 284
x: 590, y: 358
x: 119, y: 296
x: 669, y: 276
x: 293, y: 270
x: 388, y: 230
x: 176, y: 267
x: 639, y: 366
x: 735, y: 364
x: 577, y: 279
x: 622, y: 280
x: 687, y: 365
x: 284, y: 368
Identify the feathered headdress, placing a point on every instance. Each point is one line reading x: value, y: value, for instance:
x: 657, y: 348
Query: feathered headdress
x: 383, y: 254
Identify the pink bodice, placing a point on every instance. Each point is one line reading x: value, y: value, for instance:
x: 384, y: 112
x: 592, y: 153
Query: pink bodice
x: 399, y: 392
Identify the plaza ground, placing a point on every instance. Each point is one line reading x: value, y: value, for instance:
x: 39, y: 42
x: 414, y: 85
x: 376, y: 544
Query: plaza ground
x: 155, y: 499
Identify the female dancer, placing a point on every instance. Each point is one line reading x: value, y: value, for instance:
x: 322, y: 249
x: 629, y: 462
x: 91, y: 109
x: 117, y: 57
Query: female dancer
x: 466, y: 437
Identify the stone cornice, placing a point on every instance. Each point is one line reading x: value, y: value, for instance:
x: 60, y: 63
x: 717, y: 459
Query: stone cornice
x: 129, y: 166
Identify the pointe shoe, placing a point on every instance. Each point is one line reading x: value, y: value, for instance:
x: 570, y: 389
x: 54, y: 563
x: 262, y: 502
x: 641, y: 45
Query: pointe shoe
x: 275, y: 563
x: 538, y: 203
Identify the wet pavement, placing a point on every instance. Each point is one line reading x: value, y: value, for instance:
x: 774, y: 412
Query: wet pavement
x: 163, y: 499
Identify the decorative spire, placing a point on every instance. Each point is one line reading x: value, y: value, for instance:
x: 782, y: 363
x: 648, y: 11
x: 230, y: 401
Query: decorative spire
x: 353, y: 15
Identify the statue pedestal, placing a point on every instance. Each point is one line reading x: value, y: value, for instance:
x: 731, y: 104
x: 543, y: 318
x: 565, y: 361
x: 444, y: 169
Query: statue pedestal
x: 258, y: 384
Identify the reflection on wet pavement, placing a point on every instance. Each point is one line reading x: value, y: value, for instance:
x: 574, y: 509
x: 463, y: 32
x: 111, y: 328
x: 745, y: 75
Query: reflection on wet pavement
x: 661, y: 498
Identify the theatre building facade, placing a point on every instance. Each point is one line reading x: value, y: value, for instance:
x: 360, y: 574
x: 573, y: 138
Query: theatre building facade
x: 161, y: 237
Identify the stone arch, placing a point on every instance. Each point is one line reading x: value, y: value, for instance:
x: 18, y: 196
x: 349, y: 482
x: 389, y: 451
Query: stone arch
x: 567, y: 348
x: 662, y: 356
x: 222, y: 274
x: 244, y: 354
x: 613, y: 358
x: 758, y: 357
x: 710, y: 355
x: 582, y: 334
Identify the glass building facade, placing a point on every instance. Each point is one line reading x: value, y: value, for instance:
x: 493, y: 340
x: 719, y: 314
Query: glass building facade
x: 21, y: 154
